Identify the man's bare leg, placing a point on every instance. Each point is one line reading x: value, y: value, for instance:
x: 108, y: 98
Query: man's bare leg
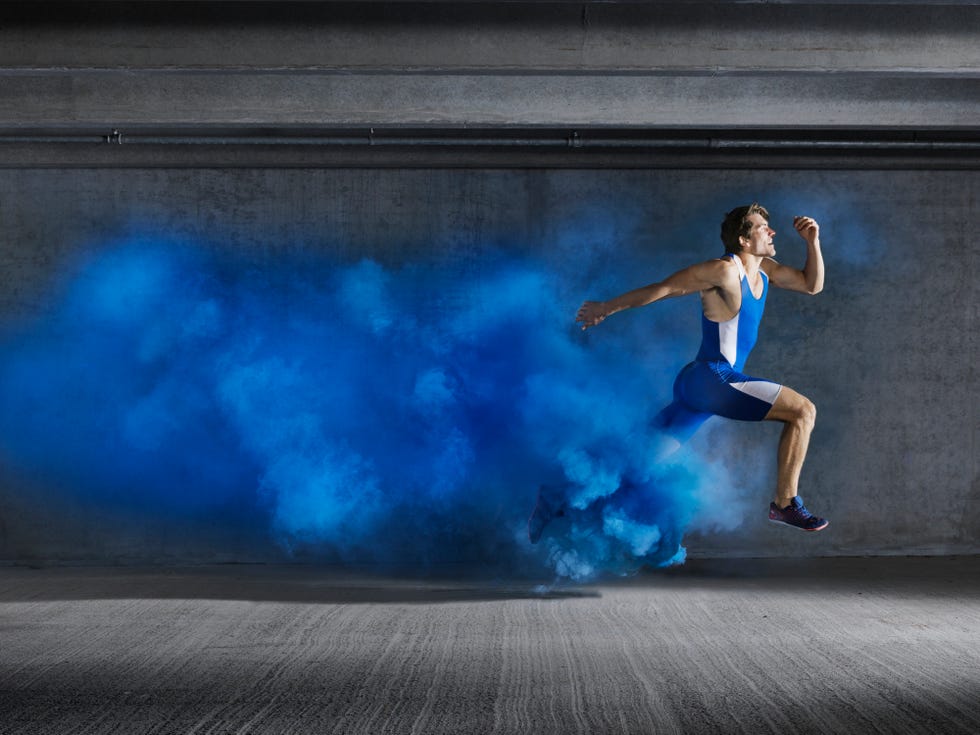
x: 798, y: 415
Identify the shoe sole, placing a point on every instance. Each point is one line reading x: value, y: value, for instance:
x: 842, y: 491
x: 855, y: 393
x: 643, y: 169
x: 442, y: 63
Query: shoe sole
x: 798, y: 528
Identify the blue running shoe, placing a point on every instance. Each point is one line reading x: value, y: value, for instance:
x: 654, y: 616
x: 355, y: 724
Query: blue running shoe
x: 795, y: 514
x: 548, y: 507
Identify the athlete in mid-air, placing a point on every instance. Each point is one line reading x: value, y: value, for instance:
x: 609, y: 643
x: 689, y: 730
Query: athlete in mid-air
x: 733, y: 292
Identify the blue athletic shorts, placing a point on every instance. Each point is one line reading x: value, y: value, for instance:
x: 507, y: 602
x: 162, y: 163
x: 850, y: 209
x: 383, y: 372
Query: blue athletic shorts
x: 706, y: 389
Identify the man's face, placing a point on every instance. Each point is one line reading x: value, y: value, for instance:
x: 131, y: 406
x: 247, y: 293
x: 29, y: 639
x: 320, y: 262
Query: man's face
x: 759, y: 239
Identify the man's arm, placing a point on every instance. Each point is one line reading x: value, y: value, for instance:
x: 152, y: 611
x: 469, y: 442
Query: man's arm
x: 700, y: 277
x: 810, y: 279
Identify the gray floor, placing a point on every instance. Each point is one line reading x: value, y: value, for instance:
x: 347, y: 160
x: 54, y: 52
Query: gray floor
x: 851, y: 646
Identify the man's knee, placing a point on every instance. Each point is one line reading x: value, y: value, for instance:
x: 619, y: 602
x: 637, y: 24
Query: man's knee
x: 794, y: 408
x: 806, y: 414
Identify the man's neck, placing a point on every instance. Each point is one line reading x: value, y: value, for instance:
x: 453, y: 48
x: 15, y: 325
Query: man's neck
x: 750, y: 262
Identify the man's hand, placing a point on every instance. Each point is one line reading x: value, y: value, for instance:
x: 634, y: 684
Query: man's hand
x: 810, y: 279
x: 807, y: 227
x: 591, y: 313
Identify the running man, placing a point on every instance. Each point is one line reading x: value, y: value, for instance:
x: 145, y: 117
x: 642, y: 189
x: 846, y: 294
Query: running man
x: 733, y: 292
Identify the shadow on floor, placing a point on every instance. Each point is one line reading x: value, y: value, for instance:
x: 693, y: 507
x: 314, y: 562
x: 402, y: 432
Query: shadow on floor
x: 267, y: 583
x: 344, y: 585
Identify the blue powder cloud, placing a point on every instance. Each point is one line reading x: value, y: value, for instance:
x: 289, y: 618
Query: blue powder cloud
x: 375, y: 414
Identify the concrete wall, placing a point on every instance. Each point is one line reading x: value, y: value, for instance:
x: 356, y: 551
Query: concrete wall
x: 887, y: 352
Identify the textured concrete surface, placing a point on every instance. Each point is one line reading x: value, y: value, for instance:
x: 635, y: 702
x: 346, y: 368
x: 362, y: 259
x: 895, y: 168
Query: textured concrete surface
x: 124, y: 100
x: 489, y: 64
x: 822, y: 646
x: 887, y: 351
x: 607, y: 37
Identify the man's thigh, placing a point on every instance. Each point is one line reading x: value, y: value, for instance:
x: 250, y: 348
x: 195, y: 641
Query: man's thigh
x: 789, y: 405
x: 728, y: 393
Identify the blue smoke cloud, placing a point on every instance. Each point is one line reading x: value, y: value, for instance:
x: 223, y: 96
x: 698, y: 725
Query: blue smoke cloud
x: 392, y: 415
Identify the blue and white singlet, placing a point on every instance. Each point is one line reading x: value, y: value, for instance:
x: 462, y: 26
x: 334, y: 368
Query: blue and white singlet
x: 714, y: 385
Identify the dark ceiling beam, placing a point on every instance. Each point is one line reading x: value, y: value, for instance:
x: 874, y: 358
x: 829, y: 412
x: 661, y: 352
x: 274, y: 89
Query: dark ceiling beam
x: 492, y: 148
x: 472, y: 38
x: 239, y: 76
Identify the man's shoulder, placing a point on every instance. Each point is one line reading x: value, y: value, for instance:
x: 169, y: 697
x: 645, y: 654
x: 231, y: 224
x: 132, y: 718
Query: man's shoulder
x: 724, y: 266
x: 721, y: 273
x: 768, y: 265
x: 721, y: 261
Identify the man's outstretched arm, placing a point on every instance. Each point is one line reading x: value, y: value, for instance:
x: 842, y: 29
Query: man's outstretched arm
x: 696, y: 278
x: 810, y: 279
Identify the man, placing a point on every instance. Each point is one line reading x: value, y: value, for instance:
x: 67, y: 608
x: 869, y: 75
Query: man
x: 733, y: 292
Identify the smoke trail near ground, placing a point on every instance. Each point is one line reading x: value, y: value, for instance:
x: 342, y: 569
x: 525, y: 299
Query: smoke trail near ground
x: 388, y: 415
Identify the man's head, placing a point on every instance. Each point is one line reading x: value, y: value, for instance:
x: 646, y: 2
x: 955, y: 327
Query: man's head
x: 737, y: 224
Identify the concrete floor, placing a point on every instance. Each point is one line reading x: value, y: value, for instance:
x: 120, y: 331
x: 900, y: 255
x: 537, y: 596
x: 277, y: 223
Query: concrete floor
x: 886, y: 645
